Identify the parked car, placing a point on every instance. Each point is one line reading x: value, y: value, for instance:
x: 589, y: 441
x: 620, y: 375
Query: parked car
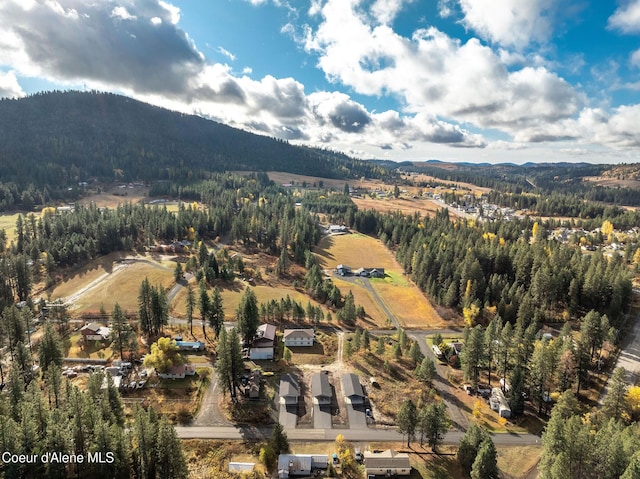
x: 468, y: 389
x: 358, y: 455
x: 141, y: 384
x: 367, y: 412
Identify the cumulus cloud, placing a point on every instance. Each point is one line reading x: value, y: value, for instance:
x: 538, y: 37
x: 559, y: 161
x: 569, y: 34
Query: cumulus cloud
x: 9, y: 86
x: 107, y: 42
x: 513, y: 23
x: 626, y: 18
x: 436, y: 74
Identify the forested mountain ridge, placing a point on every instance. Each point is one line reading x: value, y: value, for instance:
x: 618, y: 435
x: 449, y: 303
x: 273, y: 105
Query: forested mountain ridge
x: 50, y: 141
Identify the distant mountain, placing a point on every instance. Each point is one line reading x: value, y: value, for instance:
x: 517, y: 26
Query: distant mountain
x: 58, y: 138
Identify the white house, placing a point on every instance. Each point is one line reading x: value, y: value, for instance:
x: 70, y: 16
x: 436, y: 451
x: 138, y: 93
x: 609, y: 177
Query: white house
x: 387, y: 463
x: 95, y: 332
x: 298, y: 337
x: 264, y: 342
x: 178, y: 372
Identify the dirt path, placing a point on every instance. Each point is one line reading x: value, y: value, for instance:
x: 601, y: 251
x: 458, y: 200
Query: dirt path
x: 210, y: 413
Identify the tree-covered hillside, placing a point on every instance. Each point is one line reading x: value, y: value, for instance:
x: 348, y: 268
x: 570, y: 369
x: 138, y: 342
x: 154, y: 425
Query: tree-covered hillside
x: 51, y: 141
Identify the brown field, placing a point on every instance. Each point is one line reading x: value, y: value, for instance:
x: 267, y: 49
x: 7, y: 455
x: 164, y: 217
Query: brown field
x: 612, y: 182
x: 116, y: 283
x: 114, y: 197
x: 8, y: 224
x: 516, y: 462
x: 375, y: 316
x: 410, y: 306
x: 399, y: 295
x: 282, y: 178
x: 355, y: 250
x: 408, y: 206
x: 323, y: 351
x: 458, y: 184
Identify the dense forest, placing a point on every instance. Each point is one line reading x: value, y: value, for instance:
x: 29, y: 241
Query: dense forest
x: 250, y: 209
x: 545, y: 189
x: 52, y: 141
x: 508, y: 268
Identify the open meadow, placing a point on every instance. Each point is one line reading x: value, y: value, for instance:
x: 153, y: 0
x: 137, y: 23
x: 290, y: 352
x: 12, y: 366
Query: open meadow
x: 398, y: 294
x: 104, y: 282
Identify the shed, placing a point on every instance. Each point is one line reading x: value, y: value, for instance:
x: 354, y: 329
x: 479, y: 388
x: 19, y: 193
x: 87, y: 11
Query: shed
x: 352, y: 389
x: 321, y: 388
x: 241, y: 467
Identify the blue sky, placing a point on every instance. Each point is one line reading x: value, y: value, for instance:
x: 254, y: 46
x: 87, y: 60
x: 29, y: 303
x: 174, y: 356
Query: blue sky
x: 459, y: 80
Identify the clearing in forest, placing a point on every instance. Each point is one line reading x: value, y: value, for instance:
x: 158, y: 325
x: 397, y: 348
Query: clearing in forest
x: 398, y: 294
x: 104, y: 284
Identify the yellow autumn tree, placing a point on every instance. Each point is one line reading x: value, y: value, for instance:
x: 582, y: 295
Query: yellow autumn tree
x: 470, y: 314
x: 607, y: 227
x: 535, y: 229
x: 633, y: 401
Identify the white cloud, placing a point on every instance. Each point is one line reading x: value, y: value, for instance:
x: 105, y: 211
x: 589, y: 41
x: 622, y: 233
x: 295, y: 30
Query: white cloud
x: 437, y: 75
x: 9, y: 86
x: 227, y: 53
x: 122, y: 13
x: 634, y: 59
x: 627, y: 18
x: 512, y: 23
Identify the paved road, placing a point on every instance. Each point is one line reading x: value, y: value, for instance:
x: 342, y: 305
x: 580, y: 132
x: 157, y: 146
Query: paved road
x: 321, y: 416
x: 629, y: 357
x: 357, y: 417
x: 288, y: 416
x: 210, y: 413
x: 366, y: 435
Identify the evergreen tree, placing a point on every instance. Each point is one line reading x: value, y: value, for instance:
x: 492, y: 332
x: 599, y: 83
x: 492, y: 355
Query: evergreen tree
x: 191, y: 304
x: 278, y: 441
x: 216, y: 313
x: 50, y: 348
x: 170, y: 460
x: 248, y: 316
x: 205, y: 306
x: 470, y: 445
x: 614, y: 402
x: 120, y: 330
x: 407, y: 420
x: 486, y: 464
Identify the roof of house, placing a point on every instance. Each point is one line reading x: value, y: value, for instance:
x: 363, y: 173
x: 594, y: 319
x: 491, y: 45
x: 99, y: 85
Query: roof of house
x: 320, y: 385
x: 190, y: 344
x: 351, y: 385
x: 299, y: 333
x: 267, y: 331
x: 91, y: 328
x: 289, y: 386
x: 388, y: 459
x: 342, y: 266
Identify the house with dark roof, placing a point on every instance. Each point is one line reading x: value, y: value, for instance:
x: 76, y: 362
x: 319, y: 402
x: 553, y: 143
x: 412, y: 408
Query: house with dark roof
x: 289, y: 390
x: 321, y: 388
x: 298, y: 337
x: 352, y: 389
x: 343, y: 270
x: 263, y: 344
